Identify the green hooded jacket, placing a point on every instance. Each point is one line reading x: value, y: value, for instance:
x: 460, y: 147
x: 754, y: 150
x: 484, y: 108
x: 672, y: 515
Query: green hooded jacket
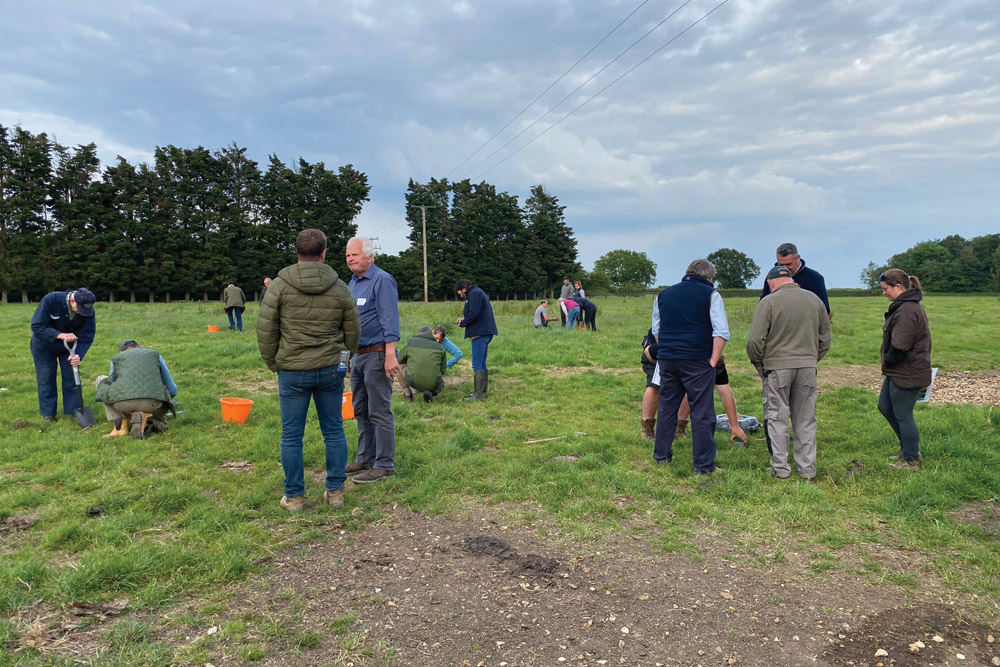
x: 306, y: 319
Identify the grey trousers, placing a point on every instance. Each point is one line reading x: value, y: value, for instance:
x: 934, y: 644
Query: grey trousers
x: 791, y: 391
x: 373, y: 411
x: 122, y: 409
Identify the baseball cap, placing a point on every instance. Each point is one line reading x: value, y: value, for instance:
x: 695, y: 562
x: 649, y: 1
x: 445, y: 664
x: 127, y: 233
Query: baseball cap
x: 779, y: 272
x: 84, y: 301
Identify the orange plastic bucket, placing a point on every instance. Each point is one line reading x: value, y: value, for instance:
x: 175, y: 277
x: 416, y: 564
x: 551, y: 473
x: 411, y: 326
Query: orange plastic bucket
x: 212, y: 328
x: 235, y: 410
x: 347, y: 410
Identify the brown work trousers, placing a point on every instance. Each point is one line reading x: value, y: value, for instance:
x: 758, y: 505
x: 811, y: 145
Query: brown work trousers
x: 791, y: 392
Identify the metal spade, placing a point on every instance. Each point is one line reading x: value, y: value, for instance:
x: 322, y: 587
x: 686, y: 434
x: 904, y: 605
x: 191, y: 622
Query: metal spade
x: 84, y: 415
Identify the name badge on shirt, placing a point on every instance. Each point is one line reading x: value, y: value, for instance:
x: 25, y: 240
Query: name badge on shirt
x: 362, y: 300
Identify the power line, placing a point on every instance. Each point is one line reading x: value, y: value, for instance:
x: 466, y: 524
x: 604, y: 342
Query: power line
x: 592, y: 97
x: 574, y: 91
x: 540, y: 95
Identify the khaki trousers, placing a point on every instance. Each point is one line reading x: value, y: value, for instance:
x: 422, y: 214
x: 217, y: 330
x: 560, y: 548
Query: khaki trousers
x: 122, y: 409
x: 791, y: 392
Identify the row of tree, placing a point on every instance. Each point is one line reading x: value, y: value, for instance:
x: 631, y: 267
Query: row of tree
x: 476, y: 232
x: 951, y: 264
x: 189, y: 223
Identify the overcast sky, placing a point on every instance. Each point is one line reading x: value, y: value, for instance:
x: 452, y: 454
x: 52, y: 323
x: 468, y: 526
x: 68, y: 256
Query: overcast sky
x: 853, y: 128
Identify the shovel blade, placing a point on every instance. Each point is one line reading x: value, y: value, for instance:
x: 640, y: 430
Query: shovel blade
x: 85, y: 418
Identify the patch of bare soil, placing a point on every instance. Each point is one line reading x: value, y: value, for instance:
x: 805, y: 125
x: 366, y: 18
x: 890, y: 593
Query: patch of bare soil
x: 561, y: 372
x: 985, y: 515
x: 237, y: 466
x: 976, y: 387
x: 75, y: 629
x: 475, y: 591
x: 923, y: 635
x: 268, y: 386
x: 18, y: 522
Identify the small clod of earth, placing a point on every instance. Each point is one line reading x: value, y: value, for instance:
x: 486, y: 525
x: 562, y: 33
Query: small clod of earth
x: 237, y: 466
x: 856, y: 469
x: 20, y: 423
x: 563, y: 459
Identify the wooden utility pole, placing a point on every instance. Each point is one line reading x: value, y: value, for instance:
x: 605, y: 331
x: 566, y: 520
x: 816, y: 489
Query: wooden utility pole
x: 423, y: 218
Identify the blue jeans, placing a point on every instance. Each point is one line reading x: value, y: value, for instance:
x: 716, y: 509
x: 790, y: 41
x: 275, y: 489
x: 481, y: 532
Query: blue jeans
x: 239, y: 317
x: 696, y: 379
x: 325, y: 386
x: 896, y: 405
x: 480, y: 346
x: 574, y: 313
x: 45, y: 375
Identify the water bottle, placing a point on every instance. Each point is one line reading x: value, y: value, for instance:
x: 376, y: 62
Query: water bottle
x: 344, y: 356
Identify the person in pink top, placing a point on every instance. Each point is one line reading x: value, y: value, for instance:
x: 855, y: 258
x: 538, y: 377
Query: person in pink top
x: 572, y: 311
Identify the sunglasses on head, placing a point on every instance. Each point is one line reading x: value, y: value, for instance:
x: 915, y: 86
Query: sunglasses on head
x: 888, y: 279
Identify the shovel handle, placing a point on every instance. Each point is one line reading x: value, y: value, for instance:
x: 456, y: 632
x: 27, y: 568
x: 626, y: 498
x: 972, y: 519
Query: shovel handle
x: 76, y: 369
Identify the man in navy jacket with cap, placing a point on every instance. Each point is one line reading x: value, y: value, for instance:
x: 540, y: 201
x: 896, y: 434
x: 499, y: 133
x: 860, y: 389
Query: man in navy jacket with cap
x: 61, y: 319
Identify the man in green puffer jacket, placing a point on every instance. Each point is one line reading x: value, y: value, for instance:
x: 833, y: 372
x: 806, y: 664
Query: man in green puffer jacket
x: 306, y: 320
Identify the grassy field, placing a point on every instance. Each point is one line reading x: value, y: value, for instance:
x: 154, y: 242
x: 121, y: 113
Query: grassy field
x: 177, y: 523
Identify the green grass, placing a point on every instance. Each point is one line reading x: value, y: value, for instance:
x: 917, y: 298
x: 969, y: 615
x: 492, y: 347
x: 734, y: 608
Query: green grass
x: 177, y: 524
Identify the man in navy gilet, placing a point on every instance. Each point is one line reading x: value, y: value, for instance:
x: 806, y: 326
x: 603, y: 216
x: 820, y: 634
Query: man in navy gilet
x: 691, y: 320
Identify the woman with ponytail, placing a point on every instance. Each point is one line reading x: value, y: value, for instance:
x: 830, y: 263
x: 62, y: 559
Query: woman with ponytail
x: 906, y: 362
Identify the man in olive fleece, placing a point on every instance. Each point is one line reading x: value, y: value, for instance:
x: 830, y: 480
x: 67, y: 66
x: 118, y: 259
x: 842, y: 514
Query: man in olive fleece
x: 306, y: 320
x: 424, y: 362
x: 789, y: 334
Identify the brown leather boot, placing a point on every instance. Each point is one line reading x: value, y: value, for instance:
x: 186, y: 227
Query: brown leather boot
x: 682, y: 425
x: 649, y: 429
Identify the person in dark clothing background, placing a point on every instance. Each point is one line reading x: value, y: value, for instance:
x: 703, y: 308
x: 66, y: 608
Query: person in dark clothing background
x: 787, y: 255
x: 481, y: 327
x: 61, y: 320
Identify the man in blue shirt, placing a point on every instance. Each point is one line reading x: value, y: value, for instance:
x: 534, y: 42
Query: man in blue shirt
x: 691, y: 320
x: 61, y: 319
x: 375, y: 364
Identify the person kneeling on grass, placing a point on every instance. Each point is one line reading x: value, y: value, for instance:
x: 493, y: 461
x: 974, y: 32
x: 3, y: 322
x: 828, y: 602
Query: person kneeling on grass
x: 137, y: 390
x: 423, y: 363
x: 542, y: 318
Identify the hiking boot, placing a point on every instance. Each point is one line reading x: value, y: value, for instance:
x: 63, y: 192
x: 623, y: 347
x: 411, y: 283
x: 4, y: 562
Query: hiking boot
x: 682, y: 425
x: 774, y: 473
x: 292, y: 504
x: 899, y: 457
x: 119, y: 430
x: 49, y: 418
x: 909, y: 466
x: 428, y: 397
x: 373, y: 475
x: 355, y: 468
x: 408, y: 394
x: 649, y: 429
x: 334, y: 497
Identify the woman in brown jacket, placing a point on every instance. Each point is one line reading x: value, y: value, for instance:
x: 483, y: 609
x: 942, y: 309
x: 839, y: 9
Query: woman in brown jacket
x: 906, y: 362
